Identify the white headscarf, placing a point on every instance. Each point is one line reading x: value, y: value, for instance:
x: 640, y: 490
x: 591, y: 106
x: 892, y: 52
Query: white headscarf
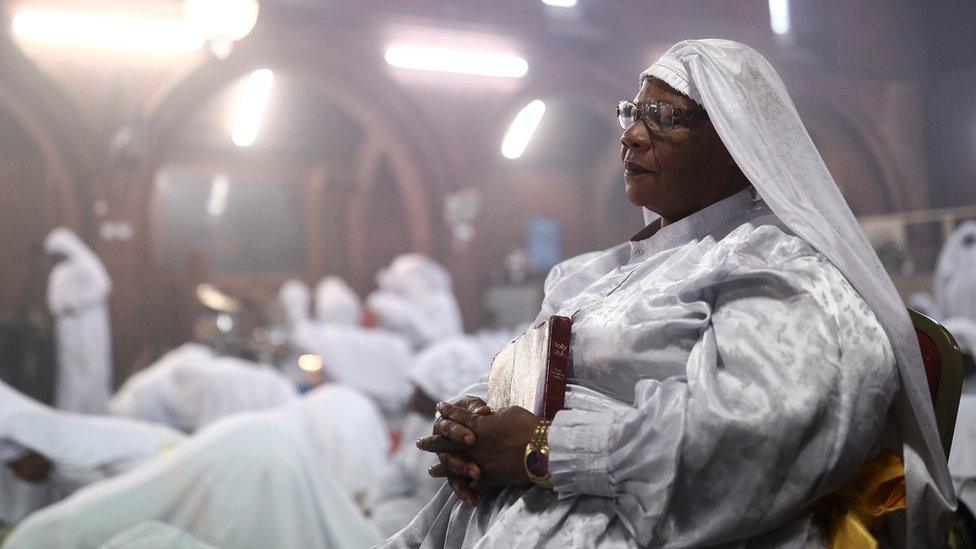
x: 151, y: 393
x: 80, y: 447
x: 190, y: 387
x: 248, y: 481
x: 955, y: 274
x: 427, y: 286
x: 753, y: 114
x: 230, y: 386
x: 295, y: 300
x: 81, y: 279
x: 336, y: 302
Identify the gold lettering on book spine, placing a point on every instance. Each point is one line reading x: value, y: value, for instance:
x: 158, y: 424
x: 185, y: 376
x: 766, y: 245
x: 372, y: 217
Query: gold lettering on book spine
x: 561, y: 350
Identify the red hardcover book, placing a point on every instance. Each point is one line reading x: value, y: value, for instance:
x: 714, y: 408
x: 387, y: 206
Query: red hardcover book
x: 531, y: 371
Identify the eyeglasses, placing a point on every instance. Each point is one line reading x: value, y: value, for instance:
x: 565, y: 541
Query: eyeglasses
x: 657, y: 115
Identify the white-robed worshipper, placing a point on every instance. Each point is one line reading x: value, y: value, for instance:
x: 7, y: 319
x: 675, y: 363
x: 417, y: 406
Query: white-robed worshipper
x: 415, y: 297
x: 281, y: 478
x: 151, y: 394
x: 77, y: 296
x: 743, y: 371
x: 46, y: 454
x: 955, y: 274
x: 962, y: 457
x: 439, y: 373
x: 349, y: 433
x: 337, y: 303
x: 954, y: 284
x: 295, y: 300
x: 373, y: 361
x: 190, y: 387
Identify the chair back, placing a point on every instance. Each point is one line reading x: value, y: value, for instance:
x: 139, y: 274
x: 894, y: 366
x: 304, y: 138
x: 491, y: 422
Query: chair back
x: 943, y: 363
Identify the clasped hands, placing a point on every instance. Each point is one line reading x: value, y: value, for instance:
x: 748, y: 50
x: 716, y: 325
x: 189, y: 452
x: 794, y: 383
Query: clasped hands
x: 479, y: 448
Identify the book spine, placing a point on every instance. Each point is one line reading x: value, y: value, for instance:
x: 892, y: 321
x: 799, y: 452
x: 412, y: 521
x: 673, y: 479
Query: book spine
x: 554, y: 394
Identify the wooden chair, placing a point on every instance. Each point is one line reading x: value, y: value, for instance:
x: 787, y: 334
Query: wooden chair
x: 944, y: 370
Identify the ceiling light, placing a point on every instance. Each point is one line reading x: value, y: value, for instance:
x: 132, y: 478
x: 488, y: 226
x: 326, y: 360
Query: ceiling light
x: 456, y: 60
x: 250, y: 107
x: 523, y: 127
x: 62, y: 28
x: 310, y: 363
x: 217, y: 201
x: 779, y: 16
x: 560, y: 3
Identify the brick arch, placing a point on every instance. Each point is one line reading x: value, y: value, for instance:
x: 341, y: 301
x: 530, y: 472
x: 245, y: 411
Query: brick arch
x: 391, y: 137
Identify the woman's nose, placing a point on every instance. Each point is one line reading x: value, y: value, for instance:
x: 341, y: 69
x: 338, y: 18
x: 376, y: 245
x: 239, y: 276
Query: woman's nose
x: 635, y: 137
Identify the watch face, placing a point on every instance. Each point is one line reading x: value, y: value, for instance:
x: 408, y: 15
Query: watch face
x: 537, y: 463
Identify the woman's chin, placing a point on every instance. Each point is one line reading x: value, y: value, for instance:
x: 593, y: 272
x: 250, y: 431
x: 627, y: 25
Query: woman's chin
x: 640, y: 190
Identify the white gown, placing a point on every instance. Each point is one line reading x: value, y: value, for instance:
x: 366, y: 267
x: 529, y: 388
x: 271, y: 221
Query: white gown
x: 724, y: 376
x: 253, y: 480
x: 77, y: 295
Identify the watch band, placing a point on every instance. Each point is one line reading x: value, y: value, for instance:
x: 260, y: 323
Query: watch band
x: 537, y: 456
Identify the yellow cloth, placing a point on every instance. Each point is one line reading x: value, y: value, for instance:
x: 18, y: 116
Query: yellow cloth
x: 854, y: 509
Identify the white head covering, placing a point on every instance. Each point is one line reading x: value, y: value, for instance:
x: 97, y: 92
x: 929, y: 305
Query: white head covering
x: 372, y: 361
x: 190, y: 387
x: 295, y: 300
x: 445, y: 369
x: 87, y: 446
x: 427, y: 285
x: 81, y: 276
x: 248, y: 481
x: 955, y: 274
x: 348, y: 432
x: 336, y: 302
x: 151, y: 393
x: 753, y: 114
x: 229, y: 386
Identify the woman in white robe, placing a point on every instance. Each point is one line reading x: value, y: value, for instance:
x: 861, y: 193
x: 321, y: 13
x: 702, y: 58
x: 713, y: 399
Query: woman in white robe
x: 77, y: 295
x: 250, y: 481
x: 430, y: 311
x: 954, y: 284
x: 955, y: 274
x: 71, y: 451
x: 151, y: 394
x: 742, y: 357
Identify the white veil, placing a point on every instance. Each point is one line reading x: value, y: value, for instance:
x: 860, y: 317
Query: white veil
x: 759, y: 125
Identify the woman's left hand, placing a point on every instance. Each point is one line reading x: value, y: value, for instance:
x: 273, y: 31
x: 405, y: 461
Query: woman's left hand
x: 500, y: 448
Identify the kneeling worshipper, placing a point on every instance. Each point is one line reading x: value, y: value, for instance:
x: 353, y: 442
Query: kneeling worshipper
x: 282, y: 478
x: 46, y: 454
x: 439, y: 373
x: 190, y: 387
x: 151, y: 395
x: 743, y: 372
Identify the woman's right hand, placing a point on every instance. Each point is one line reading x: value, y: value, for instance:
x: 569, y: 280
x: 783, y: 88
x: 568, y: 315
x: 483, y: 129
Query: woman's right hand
x: 453, y: 466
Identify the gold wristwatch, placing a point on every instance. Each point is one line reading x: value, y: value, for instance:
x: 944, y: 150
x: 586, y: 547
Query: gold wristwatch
x: 537, y: 456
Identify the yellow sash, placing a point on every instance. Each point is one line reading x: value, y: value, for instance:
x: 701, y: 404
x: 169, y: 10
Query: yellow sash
x: 854, y: 509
